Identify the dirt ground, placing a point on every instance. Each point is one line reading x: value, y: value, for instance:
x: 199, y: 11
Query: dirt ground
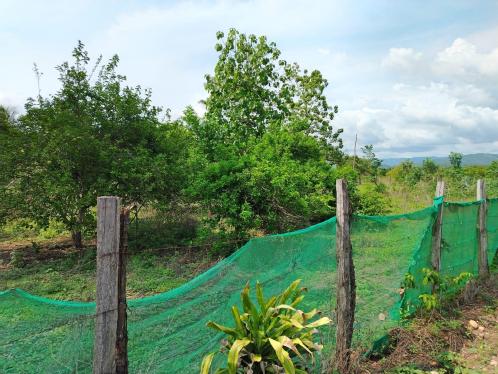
x: 463, y: 339
x: 480, y: 355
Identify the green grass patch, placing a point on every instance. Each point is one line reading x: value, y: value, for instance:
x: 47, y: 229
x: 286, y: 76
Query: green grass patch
x: 73, y: 277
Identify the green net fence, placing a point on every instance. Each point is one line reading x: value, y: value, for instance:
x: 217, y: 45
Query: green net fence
x: 167, y: 332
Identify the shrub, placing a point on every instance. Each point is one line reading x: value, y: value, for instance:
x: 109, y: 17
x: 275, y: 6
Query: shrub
x: 273, y: 338
x: 443, y: 290
x: 372, y: 201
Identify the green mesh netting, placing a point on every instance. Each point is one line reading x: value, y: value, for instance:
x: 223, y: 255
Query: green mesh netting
x: 167, y: 332
x: 459, y: 246
x: 492, y: 228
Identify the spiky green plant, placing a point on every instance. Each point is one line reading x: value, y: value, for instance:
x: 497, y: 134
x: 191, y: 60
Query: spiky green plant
x: 272, y: 336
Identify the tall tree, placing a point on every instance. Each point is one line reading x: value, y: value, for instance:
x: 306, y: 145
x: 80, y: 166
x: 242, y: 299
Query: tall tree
x: 253, y: 88
x: 95, y: 136
x: 456, y: 160
x: 373, y: 162
x: 266, y: 141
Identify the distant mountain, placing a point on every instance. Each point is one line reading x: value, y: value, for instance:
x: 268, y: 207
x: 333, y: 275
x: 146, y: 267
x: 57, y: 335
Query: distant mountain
x: 473, y: 159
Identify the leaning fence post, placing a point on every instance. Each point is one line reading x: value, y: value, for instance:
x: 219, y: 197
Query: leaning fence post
x: 346, y: 287
x: 108, y: 234
x: 483, y: 235
x: 437, y: 230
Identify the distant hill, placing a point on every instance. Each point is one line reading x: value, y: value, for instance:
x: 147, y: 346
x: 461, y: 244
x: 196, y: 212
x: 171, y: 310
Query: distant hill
x: 473, y: 159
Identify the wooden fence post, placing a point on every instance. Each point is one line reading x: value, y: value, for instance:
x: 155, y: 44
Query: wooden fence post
x: 346, y: 286
x: 483, y: 235
x: 122, y: 325
x: 108, y: 234
x: 437, y: 230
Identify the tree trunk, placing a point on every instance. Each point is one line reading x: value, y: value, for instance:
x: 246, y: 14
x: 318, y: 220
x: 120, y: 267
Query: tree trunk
x: 77, y: 239
x: 76, y: 233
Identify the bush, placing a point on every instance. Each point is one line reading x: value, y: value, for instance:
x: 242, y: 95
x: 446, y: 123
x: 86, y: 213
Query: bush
x: 372, y: 201
x: 443, y: 290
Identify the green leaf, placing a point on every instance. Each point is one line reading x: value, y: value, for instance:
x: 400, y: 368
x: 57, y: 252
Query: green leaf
x: 226, y: 330
x: 310, y: 315
x: 284, y: 306
x: 299, y: 342
x: 206, y: 363
x: 233, y: 354
x: 285, y: 295
x: 286, y: 342
x: 297, y: 300
x: 246, y: 301
x: 283, y: 356
x: 319, y: 322
x: 259, y: 296
x: 238, y: 323
x: 251, y: 309
x: 271, y: 302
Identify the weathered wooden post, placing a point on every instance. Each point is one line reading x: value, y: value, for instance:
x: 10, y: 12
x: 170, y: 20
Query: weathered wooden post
x: 108, y: 240
x: 346, y: 286
x: 122, y: 327
x: 437, y: 230
x: 483, y: 235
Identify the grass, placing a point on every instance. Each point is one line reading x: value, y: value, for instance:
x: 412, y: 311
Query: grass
x: 72, y: 277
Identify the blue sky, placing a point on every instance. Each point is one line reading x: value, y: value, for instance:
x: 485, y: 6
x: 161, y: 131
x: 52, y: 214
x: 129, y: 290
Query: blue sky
x: 413, y: 78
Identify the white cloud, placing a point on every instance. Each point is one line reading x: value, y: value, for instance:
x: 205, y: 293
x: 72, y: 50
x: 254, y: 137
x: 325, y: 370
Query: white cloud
x: 402, y: 58
x: 463, y: 58
x: 444, y: 101
x: 429, y: 119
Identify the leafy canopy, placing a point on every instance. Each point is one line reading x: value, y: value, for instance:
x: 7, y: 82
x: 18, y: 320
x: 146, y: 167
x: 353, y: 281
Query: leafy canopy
x: 455, y: 159
x: 266, y: 147
x: 95, y: 136
x: 253, y: 88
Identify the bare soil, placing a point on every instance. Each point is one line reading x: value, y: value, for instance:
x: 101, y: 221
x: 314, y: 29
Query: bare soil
x: 447, y: 342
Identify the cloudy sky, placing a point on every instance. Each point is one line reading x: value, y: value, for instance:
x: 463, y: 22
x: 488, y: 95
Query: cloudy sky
x: 413, y: 78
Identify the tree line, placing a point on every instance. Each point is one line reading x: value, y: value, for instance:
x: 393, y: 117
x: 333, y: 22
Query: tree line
x: 264, y: 156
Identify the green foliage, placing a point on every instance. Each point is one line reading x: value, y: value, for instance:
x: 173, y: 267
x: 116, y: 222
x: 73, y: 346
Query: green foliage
x: 408, y: 281
x: 95, y: 136
x: 272, y: 336
x: 449, y: 363
x: 406, y: 173
x: 72, y: 276
x: 265, y: 149
x: 443, y: 289
x: 23, y: 228
x: 373, y: 200
x: 492, y: 179
x: 372, y: 164
x: 429, y: 169
x: 253, y: 88
x: 407, y: 370
x: 281, y: 182
x: 455, y: 159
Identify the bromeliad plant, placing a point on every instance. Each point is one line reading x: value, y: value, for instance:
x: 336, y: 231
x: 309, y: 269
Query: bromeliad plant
x: 270, y: 337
